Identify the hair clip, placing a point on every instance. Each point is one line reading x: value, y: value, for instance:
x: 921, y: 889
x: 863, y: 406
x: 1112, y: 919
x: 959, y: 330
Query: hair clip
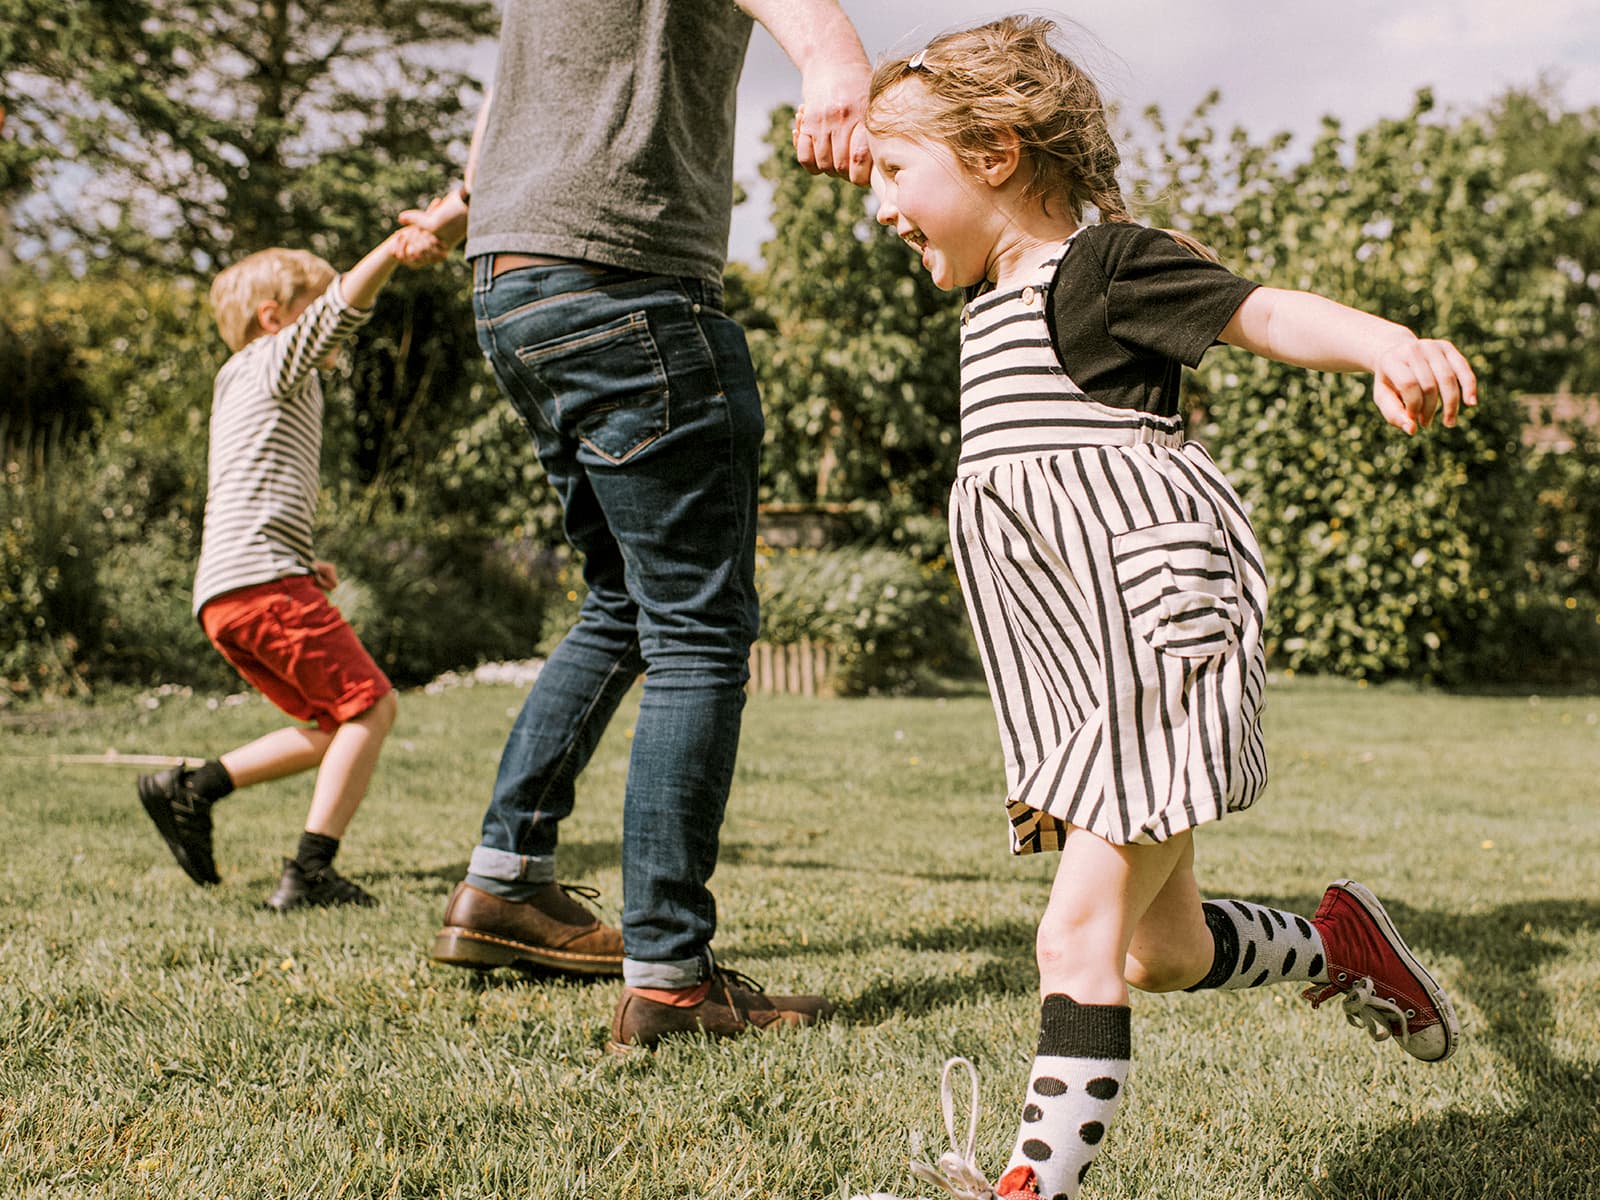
x: 917, y: 62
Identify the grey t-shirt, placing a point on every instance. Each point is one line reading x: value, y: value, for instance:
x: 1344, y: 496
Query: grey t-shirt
x: 610, y: 134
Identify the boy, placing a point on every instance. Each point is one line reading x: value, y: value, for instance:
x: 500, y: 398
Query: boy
x: 259, y: 593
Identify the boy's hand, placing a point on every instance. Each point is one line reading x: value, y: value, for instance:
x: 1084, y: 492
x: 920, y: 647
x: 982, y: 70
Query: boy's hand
x: 325, y: 574
x: 445, y: 219
x: 1413, y: 380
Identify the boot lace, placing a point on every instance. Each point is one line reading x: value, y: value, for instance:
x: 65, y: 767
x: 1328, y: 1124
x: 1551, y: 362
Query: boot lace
x: 738, y: 979
x: 955, y: 1173
x: 589, y: 897
x: 1365, y: 1009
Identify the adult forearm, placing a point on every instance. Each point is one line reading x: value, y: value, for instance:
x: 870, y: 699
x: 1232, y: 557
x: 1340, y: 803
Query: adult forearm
x: 810, y: 32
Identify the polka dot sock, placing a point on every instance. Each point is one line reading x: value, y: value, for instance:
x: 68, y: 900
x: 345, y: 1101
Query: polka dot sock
x: 1255, y: 945
x: 1074, y: 1091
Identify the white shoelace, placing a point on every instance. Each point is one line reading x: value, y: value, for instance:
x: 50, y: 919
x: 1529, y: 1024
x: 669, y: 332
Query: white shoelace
x: 955, y: 1173
x: 1365, y: 1009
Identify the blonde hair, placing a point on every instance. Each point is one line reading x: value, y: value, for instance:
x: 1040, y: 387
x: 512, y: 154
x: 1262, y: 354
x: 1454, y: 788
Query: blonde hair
x: 980, y: 88
x: 275, y: 274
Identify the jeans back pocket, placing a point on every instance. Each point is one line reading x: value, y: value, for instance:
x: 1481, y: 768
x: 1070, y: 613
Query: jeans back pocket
x: 1179, y: 587
x: 608, y: 385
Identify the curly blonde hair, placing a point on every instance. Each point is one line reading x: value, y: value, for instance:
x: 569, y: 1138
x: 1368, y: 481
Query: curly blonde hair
x: 978, y: 89
x: 275, y: 274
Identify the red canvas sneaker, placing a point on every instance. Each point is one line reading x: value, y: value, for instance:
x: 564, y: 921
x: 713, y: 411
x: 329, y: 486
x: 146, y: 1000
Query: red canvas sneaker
x: 1385, y: 989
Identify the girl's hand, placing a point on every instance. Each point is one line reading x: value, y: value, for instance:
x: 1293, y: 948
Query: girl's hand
x: 1414, y: 379
x: 326, y: 575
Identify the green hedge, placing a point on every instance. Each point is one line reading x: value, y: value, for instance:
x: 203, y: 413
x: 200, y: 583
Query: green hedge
x: 892, y: 622
x: 51, y: 611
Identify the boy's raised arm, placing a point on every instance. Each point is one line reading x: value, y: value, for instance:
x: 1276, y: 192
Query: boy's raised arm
x: 361, y: 283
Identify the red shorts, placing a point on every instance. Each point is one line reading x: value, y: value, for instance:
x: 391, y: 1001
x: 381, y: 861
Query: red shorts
x: 296, y: 649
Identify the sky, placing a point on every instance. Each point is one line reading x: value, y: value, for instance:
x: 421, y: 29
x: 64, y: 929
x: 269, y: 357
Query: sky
x: 1280, y: 64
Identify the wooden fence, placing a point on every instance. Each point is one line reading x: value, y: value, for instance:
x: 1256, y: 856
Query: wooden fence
x: 804, y: 668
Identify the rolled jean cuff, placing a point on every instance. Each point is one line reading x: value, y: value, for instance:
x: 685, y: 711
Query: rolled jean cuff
x: 683, y: 973
x: 489, y: 863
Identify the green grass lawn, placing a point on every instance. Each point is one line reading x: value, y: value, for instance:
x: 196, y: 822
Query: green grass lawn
x: 157, y: 1040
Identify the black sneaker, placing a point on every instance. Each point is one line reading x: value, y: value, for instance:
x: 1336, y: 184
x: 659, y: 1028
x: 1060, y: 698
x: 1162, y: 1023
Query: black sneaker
x: 296, y: 889
x: 183, y: 817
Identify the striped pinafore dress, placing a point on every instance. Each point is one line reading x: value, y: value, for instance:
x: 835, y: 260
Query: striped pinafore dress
x: 1116, y: 590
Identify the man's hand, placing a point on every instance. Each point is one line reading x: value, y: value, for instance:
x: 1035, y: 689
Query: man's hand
x: 325, y: 574
x: 830, y: 136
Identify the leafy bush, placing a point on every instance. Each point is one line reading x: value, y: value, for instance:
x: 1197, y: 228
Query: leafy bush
x: 1565, y: 558
x: 889, y: 618
x: 427, y: 597
x: 857, y: 353
x: 46, y: 407
x: 151, y: 635
x: 50, y: 605
x: 1544, y: 642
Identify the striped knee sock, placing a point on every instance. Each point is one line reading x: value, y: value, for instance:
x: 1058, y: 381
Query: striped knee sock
x: 1255, y: 945
x: 1074, y: 1091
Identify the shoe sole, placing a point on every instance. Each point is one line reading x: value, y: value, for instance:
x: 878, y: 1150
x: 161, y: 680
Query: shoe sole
x: 159, y: 809
x: 1437, y: 996
x: 455, y: 946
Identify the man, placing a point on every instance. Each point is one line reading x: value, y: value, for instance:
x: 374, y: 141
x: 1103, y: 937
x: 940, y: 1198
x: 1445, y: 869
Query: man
x: 600, y: 192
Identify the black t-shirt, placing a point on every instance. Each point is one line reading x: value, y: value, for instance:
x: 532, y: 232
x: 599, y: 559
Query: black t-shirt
x: 1129, y: 307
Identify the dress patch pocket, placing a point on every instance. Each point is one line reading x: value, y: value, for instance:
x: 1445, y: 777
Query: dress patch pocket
x: 1178, y: 585
x: 609, y: 385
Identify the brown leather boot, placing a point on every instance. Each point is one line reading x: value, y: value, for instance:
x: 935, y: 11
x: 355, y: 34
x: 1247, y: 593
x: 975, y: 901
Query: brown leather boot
x: 735, y: 1004
x: 549, y: 931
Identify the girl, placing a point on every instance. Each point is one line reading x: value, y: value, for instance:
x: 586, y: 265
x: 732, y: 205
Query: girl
x: 1110, y: 571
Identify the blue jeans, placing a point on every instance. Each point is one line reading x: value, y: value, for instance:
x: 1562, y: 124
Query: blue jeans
x: 640, y: 396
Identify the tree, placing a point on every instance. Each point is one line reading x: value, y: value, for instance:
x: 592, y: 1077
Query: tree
x: 197, y: 132
x: 857, y: 354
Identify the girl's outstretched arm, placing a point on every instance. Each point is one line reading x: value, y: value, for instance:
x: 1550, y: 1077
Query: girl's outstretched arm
x: 1413, y: 378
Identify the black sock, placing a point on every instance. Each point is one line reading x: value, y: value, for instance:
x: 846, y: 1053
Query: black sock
x: 316, y: 852
x: 211, y: 780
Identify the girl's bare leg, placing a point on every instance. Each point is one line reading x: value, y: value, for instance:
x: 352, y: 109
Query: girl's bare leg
x: 1101, y: 894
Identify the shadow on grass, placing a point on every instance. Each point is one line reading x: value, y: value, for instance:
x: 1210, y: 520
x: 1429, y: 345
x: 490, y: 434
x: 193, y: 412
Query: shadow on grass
x: 1008, y: 970
x: 522, y: 976
x: 1545, y: 1145
x: 918, y: 997
x: 577, y: 860
x: 775, y: 857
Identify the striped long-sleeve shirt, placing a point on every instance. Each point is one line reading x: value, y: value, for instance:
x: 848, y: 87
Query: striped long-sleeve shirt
x: 266, y: 451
